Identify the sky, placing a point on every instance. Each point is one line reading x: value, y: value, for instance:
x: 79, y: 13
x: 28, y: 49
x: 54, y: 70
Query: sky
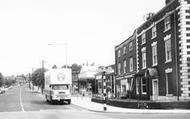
x: 79, y: 31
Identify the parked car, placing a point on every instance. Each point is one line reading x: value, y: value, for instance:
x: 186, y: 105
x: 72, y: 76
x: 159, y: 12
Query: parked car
x: 2, y: 91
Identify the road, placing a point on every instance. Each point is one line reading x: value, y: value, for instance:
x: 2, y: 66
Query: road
x: 20, y: 102
x: 21, y: 98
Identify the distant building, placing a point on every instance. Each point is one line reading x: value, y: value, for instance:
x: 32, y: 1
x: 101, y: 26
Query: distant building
x: 125, y: 65
x: 87, y: 78
x: 110, y: 80
x: 109, y: 72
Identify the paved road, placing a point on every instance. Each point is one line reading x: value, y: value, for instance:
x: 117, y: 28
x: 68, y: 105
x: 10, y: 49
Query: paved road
x: 22, y: 103
x: 20, y: 98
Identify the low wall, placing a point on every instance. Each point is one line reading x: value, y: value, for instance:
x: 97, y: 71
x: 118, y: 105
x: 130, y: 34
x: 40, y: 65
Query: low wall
x: 145, y: 104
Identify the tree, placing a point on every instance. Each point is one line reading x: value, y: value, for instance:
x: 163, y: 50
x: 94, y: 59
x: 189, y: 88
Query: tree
x: 76, y: 68
x: 8, y: 82
x: 75, y: 72
x: 66, y: 66
x: 38, y: 77
x: 1, y: 79
x: 54, y: 67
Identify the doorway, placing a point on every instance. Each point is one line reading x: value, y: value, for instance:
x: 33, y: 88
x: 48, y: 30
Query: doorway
x: 155, y: 89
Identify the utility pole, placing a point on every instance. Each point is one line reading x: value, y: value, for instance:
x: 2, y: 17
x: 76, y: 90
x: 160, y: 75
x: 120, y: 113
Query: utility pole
x: 32, y: 79
x: 42, y: 85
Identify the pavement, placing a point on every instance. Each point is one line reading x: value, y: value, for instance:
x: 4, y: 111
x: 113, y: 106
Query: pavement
x: 86, y: 102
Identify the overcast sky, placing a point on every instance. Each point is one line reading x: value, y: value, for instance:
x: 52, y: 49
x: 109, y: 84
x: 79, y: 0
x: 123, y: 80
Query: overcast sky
x: 90, y: 28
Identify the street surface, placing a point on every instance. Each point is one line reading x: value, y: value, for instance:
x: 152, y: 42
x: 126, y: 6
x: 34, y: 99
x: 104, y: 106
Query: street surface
x: 22, y: 103
x: 21, y: 98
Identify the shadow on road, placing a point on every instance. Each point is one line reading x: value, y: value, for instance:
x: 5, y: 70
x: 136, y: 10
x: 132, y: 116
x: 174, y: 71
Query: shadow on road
x: 43, y: 102
x: 33, y: 92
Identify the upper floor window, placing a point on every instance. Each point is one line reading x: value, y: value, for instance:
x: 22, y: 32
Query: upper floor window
x: 124, y: 67
x: 144, y: 58
x: 154, y: 53
x: 118, y: 53
x: 119, y: 68
x: 130, y: 46
x: 143, y: 38
x: 168, y: 52
x: 167, y: 23
x: 131, y: 64
x: 154, y: 31
x: 124, y: 50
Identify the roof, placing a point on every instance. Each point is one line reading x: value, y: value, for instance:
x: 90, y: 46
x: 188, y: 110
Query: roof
x: 169, y: 7
x: 88, y: 72
x: 127, y: 40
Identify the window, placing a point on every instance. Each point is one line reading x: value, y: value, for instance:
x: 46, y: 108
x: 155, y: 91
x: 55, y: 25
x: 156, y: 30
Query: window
x: 168, y: 52
x: 131, y: 64
x: 119, y: 68
x: 154, y: 31
x: 154, y: 54
x: 123, y: 87
x: 167, y: 24
x: 137, y: 86
x: 124, y: 50
x: 143, y: 85
x: 118, y: 53
x: 60, y: 87
x: 124, y: 68
x: 130, y: 46
x: 143, y: 58
x: 169, y: 81
x: 143, y: 38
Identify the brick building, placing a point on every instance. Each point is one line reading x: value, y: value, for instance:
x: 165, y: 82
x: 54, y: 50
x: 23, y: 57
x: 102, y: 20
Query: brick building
x: 163, y: 54
x: 125, y: 63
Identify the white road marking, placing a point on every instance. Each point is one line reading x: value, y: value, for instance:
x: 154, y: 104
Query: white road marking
x: 21, y: 105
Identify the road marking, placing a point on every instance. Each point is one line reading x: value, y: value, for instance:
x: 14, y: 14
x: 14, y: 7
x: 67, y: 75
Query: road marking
x: 21, y: 105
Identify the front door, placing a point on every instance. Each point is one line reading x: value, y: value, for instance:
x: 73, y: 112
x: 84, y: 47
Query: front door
x: 155, y: 89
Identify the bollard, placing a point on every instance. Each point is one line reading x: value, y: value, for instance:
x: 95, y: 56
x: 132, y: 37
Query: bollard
x: 105, y: 108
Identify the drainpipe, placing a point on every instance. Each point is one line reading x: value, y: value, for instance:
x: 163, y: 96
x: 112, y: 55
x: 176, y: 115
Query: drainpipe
x: 175, y: 39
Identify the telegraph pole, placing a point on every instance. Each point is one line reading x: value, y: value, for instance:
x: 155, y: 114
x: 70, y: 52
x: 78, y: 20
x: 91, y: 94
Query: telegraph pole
x: 42, y: 85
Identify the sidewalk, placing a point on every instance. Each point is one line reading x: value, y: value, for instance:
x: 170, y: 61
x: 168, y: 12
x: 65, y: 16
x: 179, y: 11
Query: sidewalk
x: 85, y: 102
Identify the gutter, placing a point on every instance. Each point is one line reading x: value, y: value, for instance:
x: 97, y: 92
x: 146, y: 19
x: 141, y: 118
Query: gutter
x: 175, y: 39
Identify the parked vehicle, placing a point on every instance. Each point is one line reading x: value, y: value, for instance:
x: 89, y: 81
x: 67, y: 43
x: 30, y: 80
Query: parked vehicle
x: 58, y: 85
x: 2, y: 90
